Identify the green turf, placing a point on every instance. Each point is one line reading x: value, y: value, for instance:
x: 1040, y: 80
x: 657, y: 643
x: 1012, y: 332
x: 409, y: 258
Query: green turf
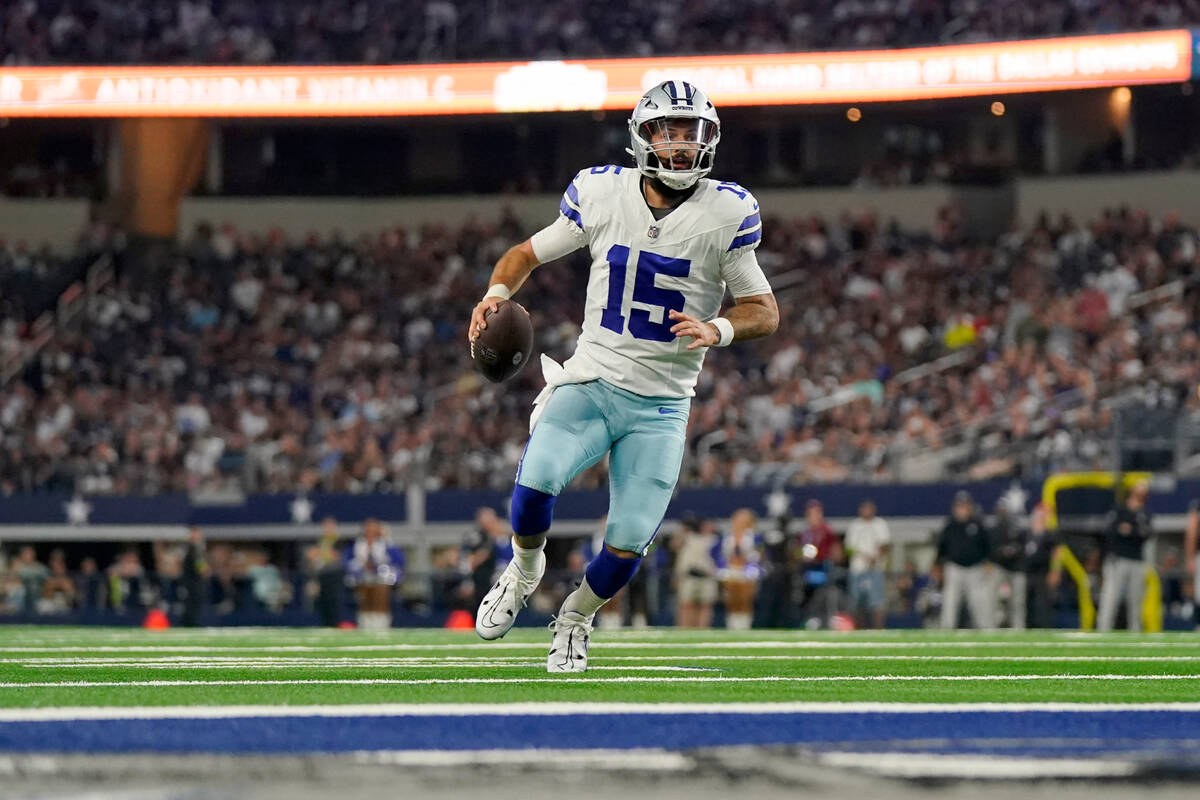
x: 759, y: 666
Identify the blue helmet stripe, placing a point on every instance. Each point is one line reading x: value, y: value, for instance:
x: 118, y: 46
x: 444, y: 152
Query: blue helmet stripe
x: 750, y: 221
x: 745, y: 239
x: 571, y: 213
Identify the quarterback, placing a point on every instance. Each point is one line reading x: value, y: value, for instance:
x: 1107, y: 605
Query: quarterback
x: 665, y: 242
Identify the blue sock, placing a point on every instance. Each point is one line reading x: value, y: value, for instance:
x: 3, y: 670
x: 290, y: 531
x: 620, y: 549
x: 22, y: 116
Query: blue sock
x: 531, y: 511
x: 607, y: 573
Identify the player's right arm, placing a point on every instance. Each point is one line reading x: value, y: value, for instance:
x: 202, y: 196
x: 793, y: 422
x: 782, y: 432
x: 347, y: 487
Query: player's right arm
x: 565, y: 235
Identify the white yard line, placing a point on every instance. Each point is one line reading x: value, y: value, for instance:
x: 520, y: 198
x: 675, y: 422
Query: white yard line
x: 563, y: 709
x: 581, y: 679
x: 449, y: 662
x: 601, y: 646
x: 386, y: 665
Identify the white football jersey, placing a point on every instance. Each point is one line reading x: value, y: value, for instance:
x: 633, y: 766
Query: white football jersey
x: 642, y: 267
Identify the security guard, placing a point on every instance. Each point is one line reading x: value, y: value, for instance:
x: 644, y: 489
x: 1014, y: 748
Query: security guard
x: 1126, y: 532
x: 963, y: 551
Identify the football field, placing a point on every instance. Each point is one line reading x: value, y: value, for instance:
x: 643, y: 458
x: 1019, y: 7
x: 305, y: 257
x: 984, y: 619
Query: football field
x: 905, y: 703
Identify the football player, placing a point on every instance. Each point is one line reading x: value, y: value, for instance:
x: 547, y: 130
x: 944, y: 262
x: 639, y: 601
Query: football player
x: 666, y: 242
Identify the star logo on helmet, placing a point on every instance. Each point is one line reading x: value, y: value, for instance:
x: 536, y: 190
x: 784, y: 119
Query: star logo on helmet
x: 650, y: 103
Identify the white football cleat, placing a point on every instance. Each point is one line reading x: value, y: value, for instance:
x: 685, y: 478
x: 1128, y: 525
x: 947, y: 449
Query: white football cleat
x: 569, y: 649
x: 500, y: 605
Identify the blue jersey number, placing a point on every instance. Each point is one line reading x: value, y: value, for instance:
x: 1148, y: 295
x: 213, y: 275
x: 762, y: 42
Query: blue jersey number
x: 730, y: 186
x: 649, y: 267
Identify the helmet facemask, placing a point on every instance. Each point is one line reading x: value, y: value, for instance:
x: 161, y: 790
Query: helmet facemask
x: 677, y: 150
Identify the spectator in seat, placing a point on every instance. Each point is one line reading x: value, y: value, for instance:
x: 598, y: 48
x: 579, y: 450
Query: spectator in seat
x: 59, y: 593
x: 93, y: 591
x: 32, y: 573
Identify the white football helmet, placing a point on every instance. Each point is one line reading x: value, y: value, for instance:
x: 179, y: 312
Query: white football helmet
x: 673, y: 133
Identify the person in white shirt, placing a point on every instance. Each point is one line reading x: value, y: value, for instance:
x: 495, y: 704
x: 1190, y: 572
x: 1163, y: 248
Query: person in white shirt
x: 867, y: 540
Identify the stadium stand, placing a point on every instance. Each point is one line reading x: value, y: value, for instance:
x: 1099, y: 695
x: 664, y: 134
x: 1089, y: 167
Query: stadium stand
x: 250, y: 362
x: 395, y: 31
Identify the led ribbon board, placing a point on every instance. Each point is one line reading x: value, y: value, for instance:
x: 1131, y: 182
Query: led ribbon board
x: 775, y: 79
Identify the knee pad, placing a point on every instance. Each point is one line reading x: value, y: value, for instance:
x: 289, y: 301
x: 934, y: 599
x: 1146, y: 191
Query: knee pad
x: 531, y: 511
x: 608, y: 573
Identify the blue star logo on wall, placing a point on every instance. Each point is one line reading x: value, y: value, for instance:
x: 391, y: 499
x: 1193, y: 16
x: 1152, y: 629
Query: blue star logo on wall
x: 302, y: 510
x: 78, y: 510
x: 778, y: 503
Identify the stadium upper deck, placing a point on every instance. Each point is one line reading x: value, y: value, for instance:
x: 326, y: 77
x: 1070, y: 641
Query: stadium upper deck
x: 35, y: 32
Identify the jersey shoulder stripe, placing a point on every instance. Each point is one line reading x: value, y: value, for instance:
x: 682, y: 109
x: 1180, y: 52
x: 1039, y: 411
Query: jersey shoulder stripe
x: 570, y: 205
x: 588, y: 185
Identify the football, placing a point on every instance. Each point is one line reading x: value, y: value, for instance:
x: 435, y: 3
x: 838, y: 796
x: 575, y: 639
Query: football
x: 504, y: 346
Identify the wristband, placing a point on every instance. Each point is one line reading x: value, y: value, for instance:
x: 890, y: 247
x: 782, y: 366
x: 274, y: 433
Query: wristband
x: 725, y: 328
x: 498, y: 290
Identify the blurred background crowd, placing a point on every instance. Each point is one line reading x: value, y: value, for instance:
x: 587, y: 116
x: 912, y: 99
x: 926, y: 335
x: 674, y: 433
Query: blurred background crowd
x: 260, y: 364
x: 391, y: 31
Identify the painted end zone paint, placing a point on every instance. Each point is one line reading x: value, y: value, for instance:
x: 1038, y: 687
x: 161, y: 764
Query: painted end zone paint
x: 1024, y: 732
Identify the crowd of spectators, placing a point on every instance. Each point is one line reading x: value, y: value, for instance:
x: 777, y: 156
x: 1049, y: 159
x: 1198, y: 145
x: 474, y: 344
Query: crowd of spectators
x: 238, y: 578
x: 779, y: 571
x: 396, y: 31
x: 248, y: 362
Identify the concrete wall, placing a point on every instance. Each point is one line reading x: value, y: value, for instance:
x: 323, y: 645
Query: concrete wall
x: 1159, y: 193
x: 38, y: 222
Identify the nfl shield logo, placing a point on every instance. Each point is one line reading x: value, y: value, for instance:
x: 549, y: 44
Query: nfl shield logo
x: 653, y: 232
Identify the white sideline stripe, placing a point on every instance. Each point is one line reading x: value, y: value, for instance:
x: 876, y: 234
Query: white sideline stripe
x: 578, y: 680
x: 201, y: 662
x: 930, y: 765
x: 321, y: 664
x: 599, y: 646
x: 553, y: 709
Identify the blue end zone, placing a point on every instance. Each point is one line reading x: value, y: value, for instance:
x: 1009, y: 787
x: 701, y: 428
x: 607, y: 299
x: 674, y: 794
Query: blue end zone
x: 1042, y: 733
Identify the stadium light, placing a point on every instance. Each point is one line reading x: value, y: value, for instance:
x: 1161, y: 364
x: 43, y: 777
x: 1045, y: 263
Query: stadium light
x: 998, y: 109
x: 768, y: 79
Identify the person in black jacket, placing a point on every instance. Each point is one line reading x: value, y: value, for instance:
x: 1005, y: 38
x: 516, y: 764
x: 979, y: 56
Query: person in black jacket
x: 1126, y: 532
x: 1008, y: 540
x: 192, y: 578
x: 1042, y: 565
x: 962, y: 554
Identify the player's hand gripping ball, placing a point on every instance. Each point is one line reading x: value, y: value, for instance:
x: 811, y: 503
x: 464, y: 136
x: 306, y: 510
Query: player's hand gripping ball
x: 504, y: 342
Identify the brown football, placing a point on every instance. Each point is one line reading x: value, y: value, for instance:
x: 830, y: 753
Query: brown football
x: 505, y: 344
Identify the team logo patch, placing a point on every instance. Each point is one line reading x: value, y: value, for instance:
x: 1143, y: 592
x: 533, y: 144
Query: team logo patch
x: 653, y: 232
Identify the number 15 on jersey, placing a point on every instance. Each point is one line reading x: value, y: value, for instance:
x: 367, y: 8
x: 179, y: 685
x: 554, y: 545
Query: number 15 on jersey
x: 645, y: 292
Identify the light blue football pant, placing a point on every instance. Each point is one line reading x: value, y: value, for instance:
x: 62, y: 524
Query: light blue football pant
x: 645, y: 436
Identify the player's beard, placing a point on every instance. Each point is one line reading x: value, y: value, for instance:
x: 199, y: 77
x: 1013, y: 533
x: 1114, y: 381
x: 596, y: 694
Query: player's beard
x: 674, y: 196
